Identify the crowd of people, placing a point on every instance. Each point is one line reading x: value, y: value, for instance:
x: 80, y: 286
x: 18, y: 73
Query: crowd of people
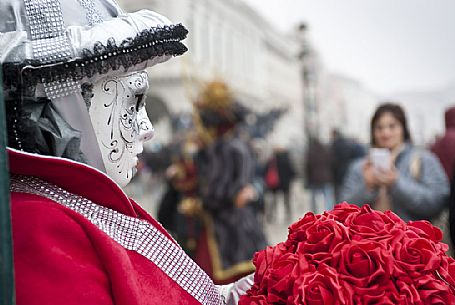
x: 410, y: 180
x: 76, y: 124
x: 326, y: 165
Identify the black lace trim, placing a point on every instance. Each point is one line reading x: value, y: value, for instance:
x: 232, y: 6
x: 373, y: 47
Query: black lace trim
x: 154, y: 42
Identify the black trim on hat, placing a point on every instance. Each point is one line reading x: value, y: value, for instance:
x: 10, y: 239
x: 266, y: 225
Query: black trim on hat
x: 154, y: 42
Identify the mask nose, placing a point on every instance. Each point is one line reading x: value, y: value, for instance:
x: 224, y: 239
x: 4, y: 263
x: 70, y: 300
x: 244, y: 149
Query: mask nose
x: 146, y: 131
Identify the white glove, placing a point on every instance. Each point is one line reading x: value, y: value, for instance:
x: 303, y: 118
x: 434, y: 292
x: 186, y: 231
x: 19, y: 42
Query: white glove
x: 231, y: 293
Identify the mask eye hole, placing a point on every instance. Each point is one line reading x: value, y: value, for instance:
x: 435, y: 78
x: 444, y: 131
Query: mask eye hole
x: 140, y: 101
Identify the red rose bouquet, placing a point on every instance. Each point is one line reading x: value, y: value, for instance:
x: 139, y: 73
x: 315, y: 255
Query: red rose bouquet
x: 353, y: 255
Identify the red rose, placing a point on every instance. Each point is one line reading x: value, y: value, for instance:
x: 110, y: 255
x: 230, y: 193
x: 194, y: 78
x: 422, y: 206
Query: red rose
x: 302, y: 223
x: 320, y: 238
x: 283, y: 273
x: 297, y: 231
x: 446, y: 272
x: 260, y: 263
x: 383, y: 298
x: 416, y: 256
x: 343, y: 210
x: 363, y: 263
x: 262, y: 260
x: 253, y: 300
x: 324, y: 235
x: 321, y: 287
x: 375, y: 225
x: 425, y: 229
x: 408, y: 293
x: 383, y: 295
x: 434, y: 292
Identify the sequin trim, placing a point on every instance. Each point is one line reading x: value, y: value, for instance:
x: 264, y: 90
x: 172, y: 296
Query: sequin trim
x: 92, y: 14
x: 133, y: 234
x: 59, y: 89
x: 49, y: 41
x: 45, y: 18
x: 47, y: 30
x: 49, y: 50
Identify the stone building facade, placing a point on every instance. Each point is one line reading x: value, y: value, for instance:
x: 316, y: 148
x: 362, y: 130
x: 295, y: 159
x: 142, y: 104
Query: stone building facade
x: 229, y: 41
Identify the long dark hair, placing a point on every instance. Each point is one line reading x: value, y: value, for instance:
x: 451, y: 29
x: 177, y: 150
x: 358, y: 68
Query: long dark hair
x: 397, y: 112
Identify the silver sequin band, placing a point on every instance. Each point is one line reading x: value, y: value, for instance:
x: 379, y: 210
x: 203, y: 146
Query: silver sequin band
x: 133, y: 234
x: 47, y: 30
x: 52, y: 49
x: 91, y: 13
x: 45, y: 18
x: 49, y: 41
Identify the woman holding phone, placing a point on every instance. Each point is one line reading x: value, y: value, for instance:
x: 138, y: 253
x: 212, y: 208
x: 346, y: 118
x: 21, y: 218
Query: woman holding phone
x: 396, y: 175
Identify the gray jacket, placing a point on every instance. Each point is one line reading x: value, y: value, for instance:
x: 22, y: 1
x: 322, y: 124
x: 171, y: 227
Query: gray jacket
x: 412, y: 197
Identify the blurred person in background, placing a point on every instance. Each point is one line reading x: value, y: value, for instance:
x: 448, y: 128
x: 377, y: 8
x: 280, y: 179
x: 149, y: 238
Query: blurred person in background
x: 452, y: 212
x: 258, y: 151
x: 318, y: 174
x: 412, y: 184
x: 444, y: 147
x: 228, y: 187
x: 343, y: 152
x: 180, y: 208
x: 278, y: 178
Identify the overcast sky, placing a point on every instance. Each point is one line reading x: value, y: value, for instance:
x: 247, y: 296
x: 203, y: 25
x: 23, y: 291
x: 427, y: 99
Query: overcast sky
x: 388, y: 45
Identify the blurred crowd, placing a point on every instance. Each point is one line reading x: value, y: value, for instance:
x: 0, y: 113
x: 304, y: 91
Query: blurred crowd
x: 223, y: 183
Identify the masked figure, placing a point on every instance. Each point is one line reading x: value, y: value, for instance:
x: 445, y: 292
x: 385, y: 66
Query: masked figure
x: 180, y: 207
x: 74, y: 84
x: 228, y: 188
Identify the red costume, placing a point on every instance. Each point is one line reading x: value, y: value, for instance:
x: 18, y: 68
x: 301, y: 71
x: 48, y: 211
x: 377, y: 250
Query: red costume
x: 444, y: 147
x: 56, y: 244
x: 74, y: 86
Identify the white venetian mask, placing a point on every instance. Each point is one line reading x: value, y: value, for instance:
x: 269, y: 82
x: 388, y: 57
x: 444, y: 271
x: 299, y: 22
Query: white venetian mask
x: 120, y: 121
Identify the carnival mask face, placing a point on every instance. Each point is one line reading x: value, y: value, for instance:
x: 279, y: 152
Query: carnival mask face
x: 118, y: 115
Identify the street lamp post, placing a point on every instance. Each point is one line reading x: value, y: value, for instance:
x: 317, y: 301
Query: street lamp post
x: 310, y: 107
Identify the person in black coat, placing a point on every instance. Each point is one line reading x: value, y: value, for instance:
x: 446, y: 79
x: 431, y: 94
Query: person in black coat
x: 286, y: 174
x: 343, y: 152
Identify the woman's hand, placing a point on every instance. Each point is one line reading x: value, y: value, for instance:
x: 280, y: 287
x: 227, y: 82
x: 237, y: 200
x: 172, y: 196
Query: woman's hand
x: 246, y: 194
x: 369, y: 175
x: 387, y: 178
x: 375, y: 177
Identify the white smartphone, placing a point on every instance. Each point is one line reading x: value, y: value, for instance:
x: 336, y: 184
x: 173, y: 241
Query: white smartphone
x: 380, y: 158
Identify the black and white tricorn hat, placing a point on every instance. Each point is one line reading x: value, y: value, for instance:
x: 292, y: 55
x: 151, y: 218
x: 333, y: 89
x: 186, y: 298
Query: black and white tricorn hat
x: 49, y: 49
